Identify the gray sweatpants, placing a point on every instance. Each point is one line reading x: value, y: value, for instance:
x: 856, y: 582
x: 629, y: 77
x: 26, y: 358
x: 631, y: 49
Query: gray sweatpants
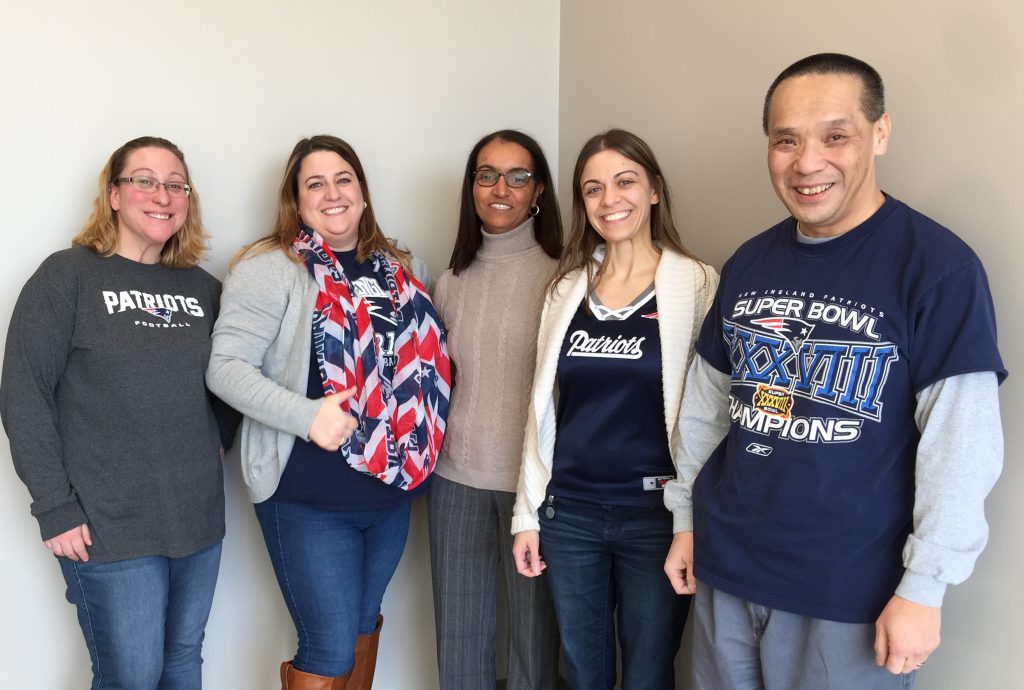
x: 738, y: 645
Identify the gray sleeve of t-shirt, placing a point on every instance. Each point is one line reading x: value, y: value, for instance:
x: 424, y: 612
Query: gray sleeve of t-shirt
x: 37, y: 351
x: 703, y: 423
x: 959, y: 458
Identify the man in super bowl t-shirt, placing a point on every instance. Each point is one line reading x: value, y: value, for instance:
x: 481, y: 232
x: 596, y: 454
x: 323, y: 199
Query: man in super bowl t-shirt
x: 840, y: 427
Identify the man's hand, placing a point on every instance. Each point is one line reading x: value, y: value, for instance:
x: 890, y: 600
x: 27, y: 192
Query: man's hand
x: 679, y: 564
x: 71, y: 544
x: 905, y: 634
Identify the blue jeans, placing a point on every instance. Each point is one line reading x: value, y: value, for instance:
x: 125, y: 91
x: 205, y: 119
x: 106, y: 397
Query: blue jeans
x: 332, y: 567
x: 605, y: 569
x: 144, y: 618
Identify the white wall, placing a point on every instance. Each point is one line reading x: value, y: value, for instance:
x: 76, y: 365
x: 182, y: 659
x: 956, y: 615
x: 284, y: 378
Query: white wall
x: 236, y: 84
x: 690, y: 78
x: 411, y: 85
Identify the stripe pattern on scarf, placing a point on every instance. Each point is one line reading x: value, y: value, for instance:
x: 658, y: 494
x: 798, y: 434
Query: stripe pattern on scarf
x: 401, y: 421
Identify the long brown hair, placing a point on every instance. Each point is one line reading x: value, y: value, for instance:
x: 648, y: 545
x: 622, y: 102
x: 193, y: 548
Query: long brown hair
x: 286, y: 225
x: 583, y: 238
x: 184, y: 249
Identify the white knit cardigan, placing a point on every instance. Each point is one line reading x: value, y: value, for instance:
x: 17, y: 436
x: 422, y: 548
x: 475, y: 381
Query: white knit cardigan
x: 684, y: 288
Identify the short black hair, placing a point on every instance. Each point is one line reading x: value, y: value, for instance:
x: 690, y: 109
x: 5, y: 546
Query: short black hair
x: 872, y: 102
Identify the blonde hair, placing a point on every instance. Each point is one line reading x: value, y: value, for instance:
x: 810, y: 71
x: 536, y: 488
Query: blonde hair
x: 286, y: 225
x: 184, y: 249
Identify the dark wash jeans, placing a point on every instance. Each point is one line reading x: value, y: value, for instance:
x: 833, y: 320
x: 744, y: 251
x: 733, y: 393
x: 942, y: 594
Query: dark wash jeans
x: 333, y: 567
x: 144, y: 618
x: 605, y: 569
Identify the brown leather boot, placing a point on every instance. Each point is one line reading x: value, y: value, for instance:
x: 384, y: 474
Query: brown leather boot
x: 361, y: 677
x: 294, y: 679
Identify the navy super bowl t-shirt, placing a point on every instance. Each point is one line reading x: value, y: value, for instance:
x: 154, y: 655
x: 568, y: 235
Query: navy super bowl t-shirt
x: 807, y: 503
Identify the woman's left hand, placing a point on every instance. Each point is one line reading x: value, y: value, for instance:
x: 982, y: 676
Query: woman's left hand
x: 526, y: 550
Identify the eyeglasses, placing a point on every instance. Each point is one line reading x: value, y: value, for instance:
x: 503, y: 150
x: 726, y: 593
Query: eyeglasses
x: 513, y: 178
x: 150, y: 185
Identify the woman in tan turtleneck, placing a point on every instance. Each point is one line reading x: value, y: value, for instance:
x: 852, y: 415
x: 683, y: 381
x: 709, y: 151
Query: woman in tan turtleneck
x: 506, y: 251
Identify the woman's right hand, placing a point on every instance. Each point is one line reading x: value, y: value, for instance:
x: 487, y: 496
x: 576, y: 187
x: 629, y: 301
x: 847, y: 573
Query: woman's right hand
x: 71, y: 544
x: 526, y: 551
x: 332, y: 425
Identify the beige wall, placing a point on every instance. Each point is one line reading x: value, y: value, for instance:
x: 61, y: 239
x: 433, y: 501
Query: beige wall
x: 411, y: 85
x: 690, y: 78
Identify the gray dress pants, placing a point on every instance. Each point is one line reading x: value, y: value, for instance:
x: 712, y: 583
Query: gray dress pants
x: 470, y: 539
x: 738, y: 645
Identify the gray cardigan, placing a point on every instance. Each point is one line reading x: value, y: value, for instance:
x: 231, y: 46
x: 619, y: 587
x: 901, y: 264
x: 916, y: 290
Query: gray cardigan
x: 260, y: 362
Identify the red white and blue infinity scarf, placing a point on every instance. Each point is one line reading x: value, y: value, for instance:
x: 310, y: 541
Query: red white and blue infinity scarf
x: 402, y: 421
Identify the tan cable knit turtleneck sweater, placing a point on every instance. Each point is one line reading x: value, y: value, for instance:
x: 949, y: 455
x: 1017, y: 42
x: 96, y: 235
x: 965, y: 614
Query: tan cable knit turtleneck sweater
x: 492, y: 312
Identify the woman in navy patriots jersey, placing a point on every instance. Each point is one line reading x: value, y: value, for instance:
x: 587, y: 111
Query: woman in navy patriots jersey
x: 332, y: 350
x: 615, y: 340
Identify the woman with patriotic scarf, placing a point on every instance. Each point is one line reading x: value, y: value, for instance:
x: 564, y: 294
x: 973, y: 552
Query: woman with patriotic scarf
x: 332, y: 350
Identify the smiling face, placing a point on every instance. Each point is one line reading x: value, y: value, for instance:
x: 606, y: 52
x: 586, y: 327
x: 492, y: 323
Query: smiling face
x: 821, y: 152
x: 330, y: 199
x: 502, y: 208
x: 618, y: 195
x: 146, y: 220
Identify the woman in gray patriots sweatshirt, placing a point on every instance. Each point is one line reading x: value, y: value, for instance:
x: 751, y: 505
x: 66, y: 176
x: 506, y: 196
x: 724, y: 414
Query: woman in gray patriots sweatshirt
x: 111, y: 427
